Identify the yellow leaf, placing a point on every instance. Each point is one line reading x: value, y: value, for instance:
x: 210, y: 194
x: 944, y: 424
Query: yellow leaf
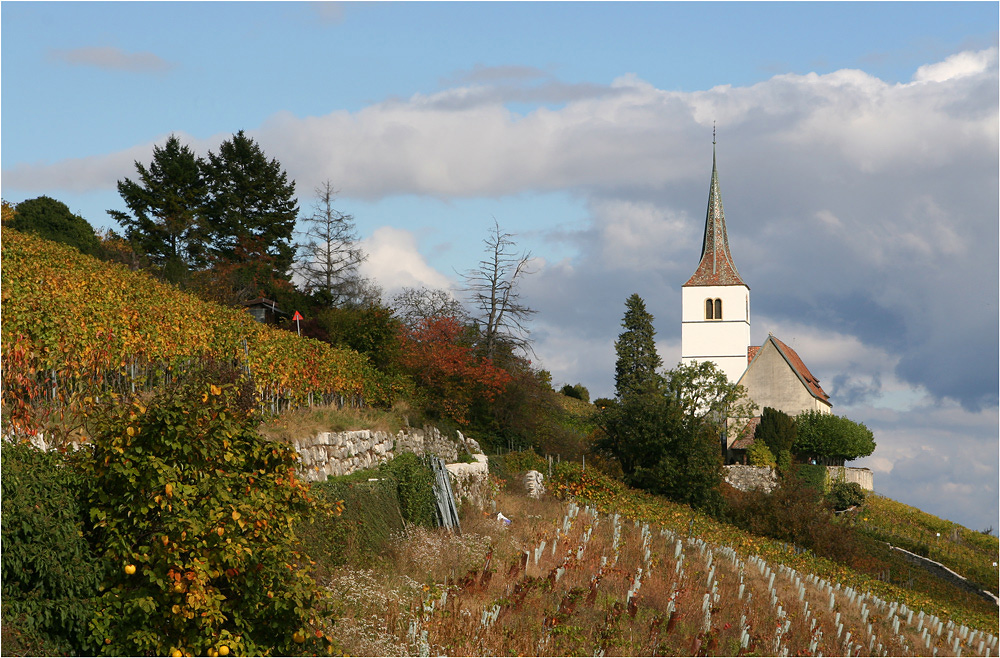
x: 216, y: 390
x: 130, y: 430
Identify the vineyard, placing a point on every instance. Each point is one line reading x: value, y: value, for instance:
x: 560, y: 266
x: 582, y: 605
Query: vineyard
x: 76, y: 328
x: 574, y: 578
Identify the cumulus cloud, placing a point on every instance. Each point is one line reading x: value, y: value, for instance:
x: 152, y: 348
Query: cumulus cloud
x: 863, y: 215
x: 113, y: 59
x: 395, y: 262
x: 958, y: 65
x: 936, y: 457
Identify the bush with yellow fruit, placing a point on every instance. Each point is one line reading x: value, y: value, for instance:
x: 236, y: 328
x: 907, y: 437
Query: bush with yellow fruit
x: 208, y: 522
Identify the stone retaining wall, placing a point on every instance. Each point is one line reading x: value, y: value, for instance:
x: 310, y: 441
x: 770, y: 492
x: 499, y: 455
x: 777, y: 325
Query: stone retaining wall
x: 746, y: 478
x: 470, y: 482
x: 862, y: 476
x: 340, y: 453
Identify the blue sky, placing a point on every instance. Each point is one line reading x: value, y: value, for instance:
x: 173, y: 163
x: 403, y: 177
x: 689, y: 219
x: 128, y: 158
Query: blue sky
x: 857, y: 150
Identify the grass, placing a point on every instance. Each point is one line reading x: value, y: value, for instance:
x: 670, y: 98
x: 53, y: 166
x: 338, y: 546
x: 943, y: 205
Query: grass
x: 307, y: 421
x: 967, y: 552
x: 604, y: 584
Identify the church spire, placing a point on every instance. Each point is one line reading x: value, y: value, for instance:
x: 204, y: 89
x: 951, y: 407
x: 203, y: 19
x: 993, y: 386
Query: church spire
x: 716, y: 267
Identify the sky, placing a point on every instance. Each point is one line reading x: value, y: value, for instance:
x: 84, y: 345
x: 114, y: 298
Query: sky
x: 857, y: 149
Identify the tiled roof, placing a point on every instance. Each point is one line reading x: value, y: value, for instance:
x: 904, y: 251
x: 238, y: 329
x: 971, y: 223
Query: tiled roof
x: 746, y: 435
x: 716, y: 267
x: 800, y: 368
x: 752, y: 352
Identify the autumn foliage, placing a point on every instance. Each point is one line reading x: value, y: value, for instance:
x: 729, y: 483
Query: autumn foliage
x: 446, y: 369
x: 75, y: 327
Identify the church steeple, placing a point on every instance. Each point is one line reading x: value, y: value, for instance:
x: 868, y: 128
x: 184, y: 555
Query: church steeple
x: 715, y: 302
x: 716, y: 267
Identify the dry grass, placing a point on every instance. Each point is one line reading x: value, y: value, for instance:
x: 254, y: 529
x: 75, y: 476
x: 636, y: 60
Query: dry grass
x: 307, y: 421
x: 484, y: 594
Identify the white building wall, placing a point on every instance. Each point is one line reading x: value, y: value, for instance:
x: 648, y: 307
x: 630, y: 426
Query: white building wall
x: 724, y: 341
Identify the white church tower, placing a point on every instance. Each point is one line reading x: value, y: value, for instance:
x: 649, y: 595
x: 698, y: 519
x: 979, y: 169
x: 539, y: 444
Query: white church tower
x: 715, y: 314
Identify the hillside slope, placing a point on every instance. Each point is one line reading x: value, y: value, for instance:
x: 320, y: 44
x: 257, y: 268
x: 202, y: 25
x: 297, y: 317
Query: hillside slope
x: 75, y: 325
x: 567, y: 578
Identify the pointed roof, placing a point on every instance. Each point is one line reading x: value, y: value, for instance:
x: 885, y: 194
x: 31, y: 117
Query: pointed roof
x: 716, y: 267
x: 795, y: 362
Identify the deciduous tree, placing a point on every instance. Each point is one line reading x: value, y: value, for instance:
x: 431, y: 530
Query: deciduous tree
x: 52, y: 220
x: 414, y: 305
x: 444, y: 366
x: 826, y: 435
x: 500, y: 314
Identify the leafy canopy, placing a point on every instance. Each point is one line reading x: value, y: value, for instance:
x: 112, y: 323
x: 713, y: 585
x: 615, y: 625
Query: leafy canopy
x: 827, y: 435
x: 52, y: 220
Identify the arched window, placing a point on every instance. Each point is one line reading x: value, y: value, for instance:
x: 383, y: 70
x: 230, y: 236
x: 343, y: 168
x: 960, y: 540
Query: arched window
x: 709, y: 310
x: 718, y: 309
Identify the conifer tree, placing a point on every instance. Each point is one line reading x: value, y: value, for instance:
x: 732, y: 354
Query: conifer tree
x: 776, y: 430
x: 635, y: 369
x: 251, y: 211
x: 167, y: 205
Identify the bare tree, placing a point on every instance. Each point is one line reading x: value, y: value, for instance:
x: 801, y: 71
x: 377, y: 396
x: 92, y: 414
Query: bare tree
x: 415, y: 304
x: 493, y: 289
x: 330, y: 258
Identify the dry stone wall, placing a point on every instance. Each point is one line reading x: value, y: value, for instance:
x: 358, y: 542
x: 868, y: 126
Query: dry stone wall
x: 339, y: 453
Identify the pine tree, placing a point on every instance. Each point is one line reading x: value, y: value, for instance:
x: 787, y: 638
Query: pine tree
x: 167, y: 203
x: 635, y: 369
x: 251, y: 211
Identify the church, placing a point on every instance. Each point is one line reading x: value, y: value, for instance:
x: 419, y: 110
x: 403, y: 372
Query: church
x: 715, y: 326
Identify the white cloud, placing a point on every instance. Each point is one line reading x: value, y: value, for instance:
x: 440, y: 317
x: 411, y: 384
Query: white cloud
x: 395, y: 262
x: 958, y: 65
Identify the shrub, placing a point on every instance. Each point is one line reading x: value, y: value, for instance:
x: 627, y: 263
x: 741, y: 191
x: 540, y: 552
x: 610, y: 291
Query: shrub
x: 845, y: 494
x: 794, y: 512
x: 759, y: 454
x: 196, y: 511
x: 50, y: 575
x: 414, y: 487
x: 370, y: 516
x: 812, y: 475
x: 578, y: 391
